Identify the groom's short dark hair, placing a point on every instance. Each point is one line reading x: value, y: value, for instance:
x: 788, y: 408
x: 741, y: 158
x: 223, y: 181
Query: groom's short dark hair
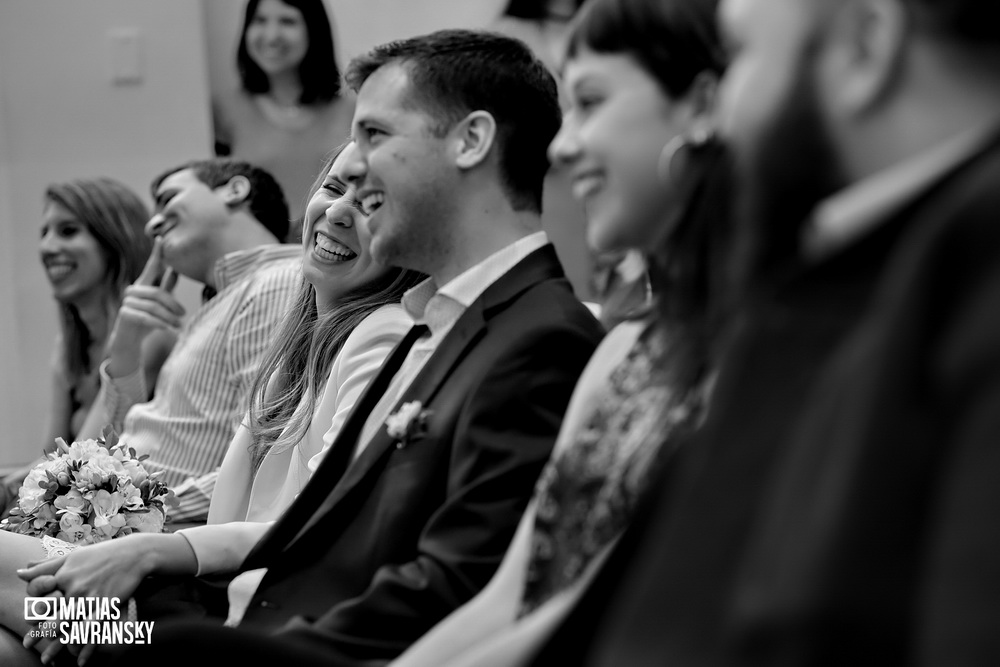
x: 455, y: 72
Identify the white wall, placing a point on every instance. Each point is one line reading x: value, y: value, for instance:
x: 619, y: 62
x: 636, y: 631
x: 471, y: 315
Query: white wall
x: 9, y: 370
x: 60, y: 118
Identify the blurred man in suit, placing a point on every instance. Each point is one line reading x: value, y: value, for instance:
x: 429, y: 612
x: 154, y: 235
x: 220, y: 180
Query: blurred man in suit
x: 840, y: 505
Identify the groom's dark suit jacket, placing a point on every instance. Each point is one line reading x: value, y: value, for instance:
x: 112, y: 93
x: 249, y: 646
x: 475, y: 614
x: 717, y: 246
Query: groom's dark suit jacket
x: 842, y: 503
x: 369, y: 558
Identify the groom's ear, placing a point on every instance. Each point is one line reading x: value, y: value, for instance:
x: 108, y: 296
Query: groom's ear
x: 473, y: 138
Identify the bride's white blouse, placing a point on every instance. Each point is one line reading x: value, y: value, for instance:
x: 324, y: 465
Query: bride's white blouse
x: 244, y: 504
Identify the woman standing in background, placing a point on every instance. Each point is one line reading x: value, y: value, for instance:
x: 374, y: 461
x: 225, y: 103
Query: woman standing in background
x: 289, y: 109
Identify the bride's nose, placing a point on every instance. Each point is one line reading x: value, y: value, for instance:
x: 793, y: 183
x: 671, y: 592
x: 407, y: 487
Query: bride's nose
x: 342, y: 211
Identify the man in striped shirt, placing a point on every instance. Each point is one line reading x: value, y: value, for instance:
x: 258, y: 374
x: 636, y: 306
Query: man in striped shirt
x: 217, y: 222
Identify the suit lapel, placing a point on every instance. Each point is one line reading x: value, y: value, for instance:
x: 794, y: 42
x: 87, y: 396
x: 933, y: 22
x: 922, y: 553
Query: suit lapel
x: 471, y: 326
x: 466, y: 331
x: 337, y: 458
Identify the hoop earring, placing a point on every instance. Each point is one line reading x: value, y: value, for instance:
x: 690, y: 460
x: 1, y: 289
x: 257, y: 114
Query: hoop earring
x: 666, y: 168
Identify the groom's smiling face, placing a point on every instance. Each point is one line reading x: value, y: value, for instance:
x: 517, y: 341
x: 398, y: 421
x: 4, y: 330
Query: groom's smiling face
x: 406, y: 182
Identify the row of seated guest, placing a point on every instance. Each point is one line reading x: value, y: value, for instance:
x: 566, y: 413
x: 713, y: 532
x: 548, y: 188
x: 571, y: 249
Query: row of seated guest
x: 504, y: 343
x: 770, y: 533
x: 216, y: 222
x: 660, y: 358
x: 345, y: 321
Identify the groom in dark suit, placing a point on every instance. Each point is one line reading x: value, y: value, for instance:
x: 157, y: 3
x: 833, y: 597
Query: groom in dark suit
x: 841, y: 505
x: 414, y: 505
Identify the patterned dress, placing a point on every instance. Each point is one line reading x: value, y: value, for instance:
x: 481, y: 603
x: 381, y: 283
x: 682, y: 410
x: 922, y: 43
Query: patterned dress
x: 588, y: 491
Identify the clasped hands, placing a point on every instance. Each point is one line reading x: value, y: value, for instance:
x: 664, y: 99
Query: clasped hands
x: 104, y: 570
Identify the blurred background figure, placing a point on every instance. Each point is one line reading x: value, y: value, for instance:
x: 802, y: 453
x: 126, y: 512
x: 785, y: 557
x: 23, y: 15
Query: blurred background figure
x: 92, y: 246
x: 839, y: 505
x: 544, y: 26
x: 289, y: 109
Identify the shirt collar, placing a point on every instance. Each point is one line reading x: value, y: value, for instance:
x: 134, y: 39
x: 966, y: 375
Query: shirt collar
x: 848, y: 214
x: 234, y: 265
x: 439, y: 308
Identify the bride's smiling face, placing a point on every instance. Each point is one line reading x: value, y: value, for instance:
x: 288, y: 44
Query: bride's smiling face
x: 336, y: 257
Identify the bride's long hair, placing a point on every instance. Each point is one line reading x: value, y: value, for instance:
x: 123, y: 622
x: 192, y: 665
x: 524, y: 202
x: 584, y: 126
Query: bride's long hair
x: 295, y: 368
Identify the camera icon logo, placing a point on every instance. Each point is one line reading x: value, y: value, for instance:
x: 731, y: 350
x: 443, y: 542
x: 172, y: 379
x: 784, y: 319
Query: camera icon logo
x: 40, y: 609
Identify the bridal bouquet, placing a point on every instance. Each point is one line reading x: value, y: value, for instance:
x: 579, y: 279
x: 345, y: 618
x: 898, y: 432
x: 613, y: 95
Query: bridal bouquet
x: 90, y: 491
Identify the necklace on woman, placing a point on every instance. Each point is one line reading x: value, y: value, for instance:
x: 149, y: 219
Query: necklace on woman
x: 286, y: 116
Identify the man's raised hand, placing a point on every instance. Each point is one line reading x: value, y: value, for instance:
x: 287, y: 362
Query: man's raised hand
x: 148, y: 305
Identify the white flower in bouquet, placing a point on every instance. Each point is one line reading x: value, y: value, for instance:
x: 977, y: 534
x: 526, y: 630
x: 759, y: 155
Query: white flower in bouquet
x: 132, y: 498
x: 31, y: 494
x: 90, y: 491
x: 73, y: 529
x: 134, y: 469
x: 84, y: 450
x: 146, y: 522
x: 106, y: 505
x: 73, y: 502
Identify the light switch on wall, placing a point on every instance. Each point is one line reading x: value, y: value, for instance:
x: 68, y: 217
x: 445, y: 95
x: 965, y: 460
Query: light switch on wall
x: 125, y: 46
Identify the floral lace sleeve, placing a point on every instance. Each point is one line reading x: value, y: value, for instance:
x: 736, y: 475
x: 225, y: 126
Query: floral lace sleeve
x: 55, y: 547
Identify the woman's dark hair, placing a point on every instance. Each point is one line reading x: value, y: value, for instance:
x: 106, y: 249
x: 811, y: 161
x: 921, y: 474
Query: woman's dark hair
x: 675, y: 41
x: 116, y: 217
x: 318, y: 70
x: 297, y: 364
x: 691, y: 269
x: 534, y: 10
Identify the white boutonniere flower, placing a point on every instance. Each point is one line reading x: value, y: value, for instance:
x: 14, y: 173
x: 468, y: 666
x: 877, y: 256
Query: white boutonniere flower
x: 408, y: 423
